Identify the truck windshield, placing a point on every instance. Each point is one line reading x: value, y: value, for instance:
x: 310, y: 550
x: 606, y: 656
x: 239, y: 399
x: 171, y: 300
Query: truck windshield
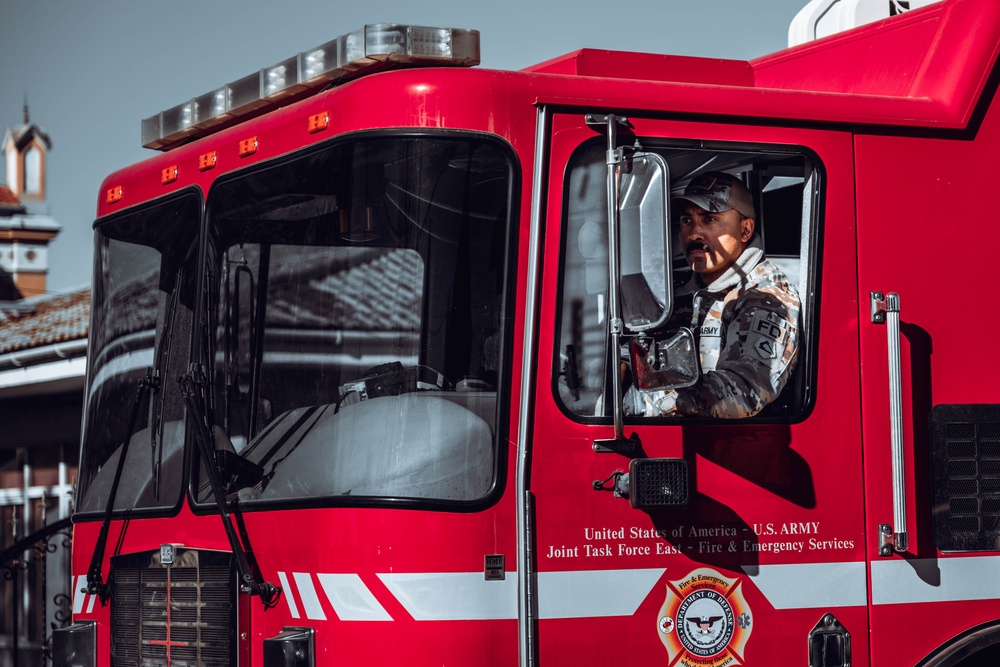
x: 355, y: 322
x: 143, y: 297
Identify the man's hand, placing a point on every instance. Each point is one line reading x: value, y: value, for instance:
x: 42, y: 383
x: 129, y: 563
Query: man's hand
x: 655, y: 403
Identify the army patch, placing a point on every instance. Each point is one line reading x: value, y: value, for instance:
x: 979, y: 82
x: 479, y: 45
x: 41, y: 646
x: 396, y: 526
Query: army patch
x: 713, y: 330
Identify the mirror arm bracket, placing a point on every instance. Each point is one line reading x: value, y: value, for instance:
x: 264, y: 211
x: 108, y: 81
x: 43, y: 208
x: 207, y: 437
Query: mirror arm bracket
x: 622, y: 445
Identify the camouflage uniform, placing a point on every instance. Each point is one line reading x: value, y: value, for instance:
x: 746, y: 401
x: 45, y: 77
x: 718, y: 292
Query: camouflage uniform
x: 747, y: 327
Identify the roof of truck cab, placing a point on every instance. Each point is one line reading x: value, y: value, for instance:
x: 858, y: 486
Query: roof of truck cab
x: 925, y: 70
x: 926, y: 67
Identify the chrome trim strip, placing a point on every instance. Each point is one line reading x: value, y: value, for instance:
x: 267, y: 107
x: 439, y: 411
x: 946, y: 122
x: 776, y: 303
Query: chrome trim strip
x: 527, y: 584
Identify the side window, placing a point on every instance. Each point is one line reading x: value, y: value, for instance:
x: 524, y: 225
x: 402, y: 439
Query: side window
x: 747, y: 301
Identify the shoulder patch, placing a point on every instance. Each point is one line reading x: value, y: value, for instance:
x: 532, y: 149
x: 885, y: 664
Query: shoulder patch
x: 768, y: 334
x: 768, y: 324
x: 765, y: 347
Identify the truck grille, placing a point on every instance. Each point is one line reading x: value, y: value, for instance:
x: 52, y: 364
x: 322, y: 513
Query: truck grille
x: 965, y: 477
x: 175, y: 614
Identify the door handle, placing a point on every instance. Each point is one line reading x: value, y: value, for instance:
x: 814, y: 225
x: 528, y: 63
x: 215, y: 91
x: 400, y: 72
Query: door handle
x: 885, y: 310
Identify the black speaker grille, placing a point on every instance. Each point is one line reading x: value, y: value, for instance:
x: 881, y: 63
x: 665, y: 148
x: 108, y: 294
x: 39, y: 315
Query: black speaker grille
x: 965, y: 477
x: 659, y: 482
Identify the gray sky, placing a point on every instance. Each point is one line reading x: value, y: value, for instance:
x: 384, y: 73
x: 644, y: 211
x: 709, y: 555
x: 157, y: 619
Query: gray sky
x: 92, y: 70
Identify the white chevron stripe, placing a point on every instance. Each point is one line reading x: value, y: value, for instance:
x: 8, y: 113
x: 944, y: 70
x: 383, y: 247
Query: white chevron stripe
x: 289, y: 598
x: 307, y: 594
x: 79, y: 597
x: 351, y: 599
x: 453, y: 596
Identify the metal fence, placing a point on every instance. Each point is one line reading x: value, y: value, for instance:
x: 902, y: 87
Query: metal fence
x: 36, y: 501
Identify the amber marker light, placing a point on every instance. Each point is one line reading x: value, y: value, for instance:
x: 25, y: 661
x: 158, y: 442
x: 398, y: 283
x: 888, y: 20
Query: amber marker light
x: 207, y: 161
x: 169, y: 175
x: 319, y: 121
x: 114, y: 195
x: 248, y: 146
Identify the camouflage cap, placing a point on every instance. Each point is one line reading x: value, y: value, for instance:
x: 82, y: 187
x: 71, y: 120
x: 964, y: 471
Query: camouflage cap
x: 717, y: 191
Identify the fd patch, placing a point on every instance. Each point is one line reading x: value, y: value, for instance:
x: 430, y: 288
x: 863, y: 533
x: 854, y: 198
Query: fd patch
x: 768, y: 332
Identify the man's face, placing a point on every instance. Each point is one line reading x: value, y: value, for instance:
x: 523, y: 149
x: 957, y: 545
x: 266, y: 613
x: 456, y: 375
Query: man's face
x: 712, y: 242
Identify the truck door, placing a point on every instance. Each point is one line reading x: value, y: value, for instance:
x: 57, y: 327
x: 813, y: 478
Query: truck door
x: 931, y: 426
x: 767, y: 555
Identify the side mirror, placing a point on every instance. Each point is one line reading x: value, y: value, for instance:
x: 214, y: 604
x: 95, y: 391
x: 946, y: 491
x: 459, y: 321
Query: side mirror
x: 644, y: 236
x: 668, y: 364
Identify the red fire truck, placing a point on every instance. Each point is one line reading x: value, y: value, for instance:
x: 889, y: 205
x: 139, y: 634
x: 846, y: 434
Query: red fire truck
x: 354, y: 388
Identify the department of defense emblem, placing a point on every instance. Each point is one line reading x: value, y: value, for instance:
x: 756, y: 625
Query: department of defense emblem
x: 704, y: 621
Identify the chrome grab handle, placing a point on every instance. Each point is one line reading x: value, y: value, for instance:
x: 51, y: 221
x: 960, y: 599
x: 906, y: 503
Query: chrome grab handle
x: 885, y: 310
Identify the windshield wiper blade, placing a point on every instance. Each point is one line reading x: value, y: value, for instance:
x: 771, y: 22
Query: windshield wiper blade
x: 251, y: 579
x: 95, y: 581
x: 161, y: 361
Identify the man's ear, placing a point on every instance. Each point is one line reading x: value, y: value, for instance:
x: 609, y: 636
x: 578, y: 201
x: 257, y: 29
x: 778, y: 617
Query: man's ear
x: 746, y: 229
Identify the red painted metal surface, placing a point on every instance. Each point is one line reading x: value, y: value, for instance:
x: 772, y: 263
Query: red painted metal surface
x: 890, y: 112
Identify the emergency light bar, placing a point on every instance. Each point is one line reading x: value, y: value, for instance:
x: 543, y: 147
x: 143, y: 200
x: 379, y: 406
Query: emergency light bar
x: 372, y: 48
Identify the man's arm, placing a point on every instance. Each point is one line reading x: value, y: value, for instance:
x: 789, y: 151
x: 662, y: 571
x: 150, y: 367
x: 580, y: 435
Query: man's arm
x: 758, y: 355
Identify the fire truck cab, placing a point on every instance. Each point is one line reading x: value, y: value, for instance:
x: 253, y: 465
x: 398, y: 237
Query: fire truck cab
x: 355, y: 389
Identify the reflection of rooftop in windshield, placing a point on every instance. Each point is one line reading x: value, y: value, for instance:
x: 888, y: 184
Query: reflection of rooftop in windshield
x: 381, y: 294
x: 134, y: 306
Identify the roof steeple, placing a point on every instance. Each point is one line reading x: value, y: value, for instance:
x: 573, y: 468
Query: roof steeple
x: 25, y: 225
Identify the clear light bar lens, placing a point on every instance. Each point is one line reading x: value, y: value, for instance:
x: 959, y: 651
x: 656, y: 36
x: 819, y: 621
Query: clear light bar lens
x: 318, y: 61
x: 432, y: 42
x: 152, y: 133
x: 244, y: 92
x: 211, y: 105
x: 178, y: 118
x: 353, y: 47
x: 375, y: 47
x: 280, y: 77
x: 383, y: 39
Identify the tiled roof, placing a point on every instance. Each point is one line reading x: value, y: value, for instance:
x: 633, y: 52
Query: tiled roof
x: 7, y: 196
x: 53, y: 318
x: 9, y: 203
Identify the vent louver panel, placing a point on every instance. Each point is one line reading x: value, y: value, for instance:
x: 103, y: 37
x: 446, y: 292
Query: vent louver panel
x: 180, y: 614
x: 965, y: 477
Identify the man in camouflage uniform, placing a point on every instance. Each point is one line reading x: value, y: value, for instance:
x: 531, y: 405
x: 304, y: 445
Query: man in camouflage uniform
x: 742, y: 309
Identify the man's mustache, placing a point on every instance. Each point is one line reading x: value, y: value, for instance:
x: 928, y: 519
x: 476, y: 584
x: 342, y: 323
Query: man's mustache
x: 696, y: 245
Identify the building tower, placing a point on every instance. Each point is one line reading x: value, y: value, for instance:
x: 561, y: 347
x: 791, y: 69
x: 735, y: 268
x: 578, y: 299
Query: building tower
x: 25, y: 225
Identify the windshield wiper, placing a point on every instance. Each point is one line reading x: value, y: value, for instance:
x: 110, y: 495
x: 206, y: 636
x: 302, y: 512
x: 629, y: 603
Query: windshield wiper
x: 161, y: 362
x: 152, y: 382
x: 251, y: 579
x: 95, y: 581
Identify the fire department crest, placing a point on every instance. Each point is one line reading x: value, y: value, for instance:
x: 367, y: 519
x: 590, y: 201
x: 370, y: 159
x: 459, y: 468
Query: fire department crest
x: 704, y: 621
